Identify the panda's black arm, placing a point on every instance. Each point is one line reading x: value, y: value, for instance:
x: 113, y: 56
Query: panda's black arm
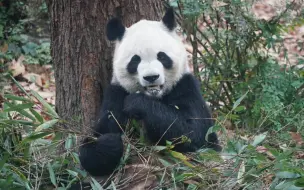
x: 101, y: 156
x: 113, y: 101
x: 182, y: 112
x: 183, y: 117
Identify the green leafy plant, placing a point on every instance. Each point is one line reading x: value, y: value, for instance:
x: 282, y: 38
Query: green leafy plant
x: 230, y: 57
x: 29, y: 145
x: 14, y: 40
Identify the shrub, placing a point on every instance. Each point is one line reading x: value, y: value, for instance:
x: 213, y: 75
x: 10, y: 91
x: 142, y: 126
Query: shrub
x: 234, y: 53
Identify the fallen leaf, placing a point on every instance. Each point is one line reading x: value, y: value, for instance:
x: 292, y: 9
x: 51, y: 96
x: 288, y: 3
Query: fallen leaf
x: 296, y: 137
x: 50, y: 136
x: 4, y: 48
x: 142, y: 177
x: 217, y: 4
x: 268, y: 178
x: 32, y: 77
x: 1, y: 99
x: 261, y: 149
x: 299, y: 155
x: 34, y: 87
x: 17, y: 67
x: 45, y: 94
x: 190, y: 181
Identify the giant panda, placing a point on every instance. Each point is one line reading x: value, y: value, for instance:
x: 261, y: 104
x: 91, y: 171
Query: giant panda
x: 151, y: 83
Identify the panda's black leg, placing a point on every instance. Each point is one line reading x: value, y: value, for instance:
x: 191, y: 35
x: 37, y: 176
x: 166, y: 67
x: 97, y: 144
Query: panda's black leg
x: 101, y: 157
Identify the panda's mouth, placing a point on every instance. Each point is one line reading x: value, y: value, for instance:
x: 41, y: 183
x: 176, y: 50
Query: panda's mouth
x: 153, y: 90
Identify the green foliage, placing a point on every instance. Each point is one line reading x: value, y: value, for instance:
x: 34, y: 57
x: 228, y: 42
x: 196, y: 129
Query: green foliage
x: 10, y: 27
x: 249, y: 90
x: 30, y: 130
x: 14, y: 40
x: 254, y: 163
x: 40, y: 54
x: 29, y: 146
x: 236, y: 59
x: 276, y: 96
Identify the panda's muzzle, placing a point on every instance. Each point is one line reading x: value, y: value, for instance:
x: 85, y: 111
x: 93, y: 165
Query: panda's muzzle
x: 152, y: 85
x: 153, y: 90
x: 160, y: 87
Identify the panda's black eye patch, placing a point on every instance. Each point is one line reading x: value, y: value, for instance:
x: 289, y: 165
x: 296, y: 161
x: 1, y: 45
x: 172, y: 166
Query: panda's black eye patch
x: 164, y: 59
x: 133, y: 64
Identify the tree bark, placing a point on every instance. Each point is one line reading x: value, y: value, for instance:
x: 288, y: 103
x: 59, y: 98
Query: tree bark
x: 81, y: 54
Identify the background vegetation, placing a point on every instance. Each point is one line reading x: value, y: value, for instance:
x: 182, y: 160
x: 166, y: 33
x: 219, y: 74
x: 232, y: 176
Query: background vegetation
x: 252, y: 79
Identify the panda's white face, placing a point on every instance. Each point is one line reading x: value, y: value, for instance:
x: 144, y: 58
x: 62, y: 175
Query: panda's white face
x: 149, y: 58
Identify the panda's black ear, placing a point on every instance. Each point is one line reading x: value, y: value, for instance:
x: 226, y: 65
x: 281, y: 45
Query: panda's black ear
x: 169, y: 19
x: 115, y: 29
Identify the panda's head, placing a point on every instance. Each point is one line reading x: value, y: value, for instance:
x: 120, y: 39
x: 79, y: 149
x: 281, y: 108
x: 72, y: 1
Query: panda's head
x: 149, y: 56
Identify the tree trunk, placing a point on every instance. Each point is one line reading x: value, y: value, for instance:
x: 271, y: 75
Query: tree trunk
x: 81, y: 54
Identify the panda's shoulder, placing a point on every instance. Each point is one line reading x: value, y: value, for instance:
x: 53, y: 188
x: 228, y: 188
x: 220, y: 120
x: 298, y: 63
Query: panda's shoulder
x: 188, y: 79
x: 187, y: 85
x: 187, y: 82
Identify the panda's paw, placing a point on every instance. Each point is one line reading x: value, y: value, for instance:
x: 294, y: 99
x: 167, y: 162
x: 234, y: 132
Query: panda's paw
x: 133, y: 106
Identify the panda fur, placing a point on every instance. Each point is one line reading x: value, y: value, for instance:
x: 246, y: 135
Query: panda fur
x: 152, y: 83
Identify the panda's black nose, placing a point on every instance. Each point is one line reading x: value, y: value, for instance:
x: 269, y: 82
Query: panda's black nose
x: 151, y: 78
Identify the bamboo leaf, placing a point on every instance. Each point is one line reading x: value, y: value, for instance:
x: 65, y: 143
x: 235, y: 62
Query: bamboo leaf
x: 35, y: 136
x: 165, y: 162
x: 18, y: 98
x: 300, y: 182
x: 258, y: 139
x: 241, y: 173
x: 287, y: 175
x: 159, y: 148
x: 12, y: 122
x: 19, y: 107
x: 52, y: 175
x: 46, y: 125
x: 69, y: 142
x: 37, y: 115
x: 237, y: 103
x: 181, y: 157
x: 47, y: 106
x: 21, y: 111
x: 4, y: 159
x: 73, y: 173
x: 20, y: 87
x: 95, y: 185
